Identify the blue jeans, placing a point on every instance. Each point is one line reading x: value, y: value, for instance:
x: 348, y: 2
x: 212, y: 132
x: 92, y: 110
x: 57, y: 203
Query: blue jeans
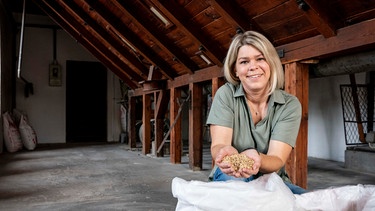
x: 220, y: 176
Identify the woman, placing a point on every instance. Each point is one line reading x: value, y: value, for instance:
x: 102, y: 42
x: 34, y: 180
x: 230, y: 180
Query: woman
x: 251, y: 115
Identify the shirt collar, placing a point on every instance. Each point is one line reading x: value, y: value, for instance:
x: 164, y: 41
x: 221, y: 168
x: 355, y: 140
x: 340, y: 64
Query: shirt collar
x: 276, y: 96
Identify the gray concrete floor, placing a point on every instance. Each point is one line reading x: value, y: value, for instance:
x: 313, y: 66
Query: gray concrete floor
x: 113, y: 177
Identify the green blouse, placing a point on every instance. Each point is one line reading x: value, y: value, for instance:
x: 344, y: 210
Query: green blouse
x: 229, y: 109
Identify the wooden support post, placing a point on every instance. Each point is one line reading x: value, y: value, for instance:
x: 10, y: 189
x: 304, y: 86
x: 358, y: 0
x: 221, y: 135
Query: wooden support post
x: 132, y: 121
x: 357, y: 110
x: 146, y: 130
x: 216, y: 84
x: 175, y: 135
x: 161, y: 106
x: 195, y: 127
x: 297, y: 83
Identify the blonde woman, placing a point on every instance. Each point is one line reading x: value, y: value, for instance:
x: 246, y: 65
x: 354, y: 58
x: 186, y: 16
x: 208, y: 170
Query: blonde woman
x: 251, y: 114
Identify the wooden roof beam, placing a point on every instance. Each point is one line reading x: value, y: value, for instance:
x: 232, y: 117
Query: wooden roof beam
x: 159, y: 38
x: 60, y: 16
x: 235, y: 15
x: 318, y: 46
x: 318, y: 15
x: 133, y: 39
x: 138, y: 68
x: 179, y: 17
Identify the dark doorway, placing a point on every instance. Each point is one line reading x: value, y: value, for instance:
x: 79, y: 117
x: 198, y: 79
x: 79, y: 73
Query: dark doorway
x: 86, y: 102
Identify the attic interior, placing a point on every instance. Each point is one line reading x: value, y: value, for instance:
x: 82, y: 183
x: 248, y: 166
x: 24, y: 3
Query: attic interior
x: 168, y: 50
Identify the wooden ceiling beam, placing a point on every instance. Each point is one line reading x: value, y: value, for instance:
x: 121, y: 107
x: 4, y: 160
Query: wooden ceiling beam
x: 59, y: 15
x: 139, y: 70
x: 158, y: 37
x: 318, y: 15
x: 134, y: 40
x: 178, y: 16
x: 360, y: 36
x: 235, y: 15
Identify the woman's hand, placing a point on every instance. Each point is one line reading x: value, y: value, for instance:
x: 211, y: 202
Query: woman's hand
x: 225, y: 167
x: 254, y: 155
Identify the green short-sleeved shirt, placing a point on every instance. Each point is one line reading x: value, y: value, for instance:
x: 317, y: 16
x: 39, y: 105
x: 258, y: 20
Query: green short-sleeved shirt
x: 229, y: 109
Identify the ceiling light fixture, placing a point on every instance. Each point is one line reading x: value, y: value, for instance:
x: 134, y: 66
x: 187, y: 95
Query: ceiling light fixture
x: 204, y: 57
x: 122, y: 39
x: 208, y: 61
x: 160, y: 16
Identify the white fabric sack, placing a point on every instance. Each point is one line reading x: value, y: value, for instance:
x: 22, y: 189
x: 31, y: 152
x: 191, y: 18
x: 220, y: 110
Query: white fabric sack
x: 269, y: 193
x: 265, y: 193
x: 345, y: 198
x: 28, y: 135
x: 123, y: 119
x: 12, y: 137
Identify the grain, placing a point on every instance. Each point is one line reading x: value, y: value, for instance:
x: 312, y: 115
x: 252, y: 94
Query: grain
x: 239, y: 161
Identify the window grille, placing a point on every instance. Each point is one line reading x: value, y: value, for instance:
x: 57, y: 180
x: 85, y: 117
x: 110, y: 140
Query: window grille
x: 349, y: 113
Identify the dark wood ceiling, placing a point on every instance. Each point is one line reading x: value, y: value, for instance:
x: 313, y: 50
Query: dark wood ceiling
x: 138, y: 46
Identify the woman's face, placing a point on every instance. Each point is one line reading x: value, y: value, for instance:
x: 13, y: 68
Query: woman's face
x: 252, y: 69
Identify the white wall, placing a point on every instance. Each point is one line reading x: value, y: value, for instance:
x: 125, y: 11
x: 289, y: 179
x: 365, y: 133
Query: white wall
x: 326, y: 136
x: 46, y: 107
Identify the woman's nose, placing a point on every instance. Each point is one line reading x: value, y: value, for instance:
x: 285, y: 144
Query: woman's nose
x: 253, y: 65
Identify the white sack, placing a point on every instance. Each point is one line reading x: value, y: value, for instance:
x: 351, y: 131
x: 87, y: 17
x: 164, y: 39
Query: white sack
x: 345, y: 198
x: 28, y: 135
x: 265, y: 193
x: 12, y: 137
x: 124, y: 127
x: 269, y: 193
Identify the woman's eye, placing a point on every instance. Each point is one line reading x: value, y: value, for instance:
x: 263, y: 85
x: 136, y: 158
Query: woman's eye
x: 243, y: 62
x: 261, y: 59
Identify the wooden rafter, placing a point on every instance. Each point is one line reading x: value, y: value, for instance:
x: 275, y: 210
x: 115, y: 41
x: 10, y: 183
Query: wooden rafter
x: 56, y: 12
x: 159, y: 38
x: 128, y: 59
x: 133, y: 39
x: 319, y: 17
x: 318, y: 46
x: 235, y: 15
x: 178, y: 16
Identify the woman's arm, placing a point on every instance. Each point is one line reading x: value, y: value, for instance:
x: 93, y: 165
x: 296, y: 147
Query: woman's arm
x: 221, y: 146
x: 276, y: 157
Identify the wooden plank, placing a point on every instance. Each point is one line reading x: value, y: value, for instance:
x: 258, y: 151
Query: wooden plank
x: 235, y: 15
x: 357, y: 109
x: 296, y: 83
x: 176, y: 134
x: 179, y: 17
x: 195, y: 127
x: 87, y: 40
x: 127, y: 58
x: 132, y: 133
x: 217, y: 82
x: 159, y: 38
x: 136, y: 41
x: 319, y: 16
x: 361, y: 35
x: 146, y: 130
x: 161, y: 106
x: 199, y: 76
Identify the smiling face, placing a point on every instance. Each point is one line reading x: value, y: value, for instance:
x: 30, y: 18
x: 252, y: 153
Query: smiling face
x: 252, y: 69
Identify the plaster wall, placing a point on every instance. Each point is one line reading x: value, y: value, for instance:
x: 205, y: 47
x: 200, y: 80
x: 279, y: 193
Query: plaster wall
x: 46, y: 107
x: 326, y: 135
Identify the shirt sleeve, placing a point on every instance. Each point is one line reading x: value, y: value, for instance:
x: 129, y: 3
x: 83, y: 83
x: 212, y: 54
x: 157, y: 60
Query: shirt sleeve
x: 221, y: 112
x: 287, y: 126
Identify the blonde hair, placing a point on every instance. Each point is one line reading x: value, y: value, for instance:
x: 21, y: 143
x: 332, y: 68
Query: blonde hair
x: 262, y: 44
